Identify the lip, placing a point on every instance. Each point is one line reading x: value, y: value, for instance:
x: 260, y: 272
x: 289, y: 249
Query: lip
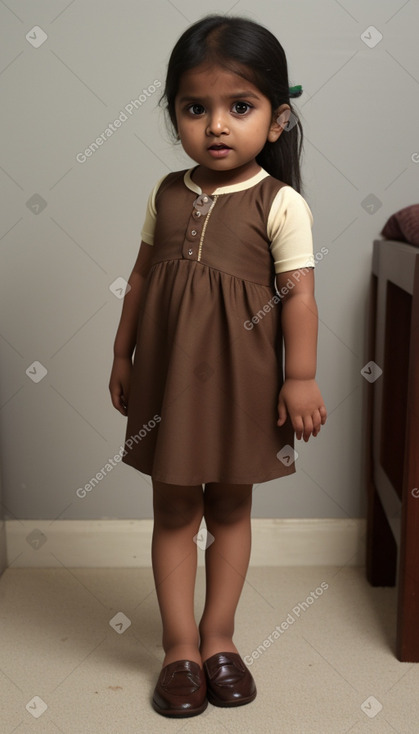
x: 218, y: 151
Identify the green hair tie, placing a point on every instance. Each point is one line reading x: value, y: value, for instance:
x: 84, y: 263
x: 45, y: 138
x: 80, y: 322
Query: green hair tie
x: 296, y: 91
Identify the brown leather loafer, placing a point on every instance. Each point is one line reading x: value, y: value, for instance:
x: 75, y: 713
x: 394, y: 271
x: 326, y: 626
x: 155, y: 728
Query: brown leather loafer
x: 180, y: 690
x: 229, y: 681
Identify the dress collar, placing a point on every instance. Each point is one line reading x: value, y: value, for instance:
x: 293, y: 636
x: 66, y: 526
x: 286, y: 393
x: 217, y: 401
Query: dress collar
x: 232, y: 188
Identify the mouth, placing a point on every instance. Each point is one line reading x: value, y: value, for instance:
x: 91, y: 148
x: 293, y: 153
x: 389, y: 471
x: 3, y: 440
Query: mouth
x: 219, y: 146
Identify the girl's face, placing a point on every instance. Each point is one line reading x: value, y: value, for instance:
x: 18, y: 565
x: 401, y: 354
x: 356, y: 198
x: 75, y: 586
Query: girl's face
x: 223, y: 120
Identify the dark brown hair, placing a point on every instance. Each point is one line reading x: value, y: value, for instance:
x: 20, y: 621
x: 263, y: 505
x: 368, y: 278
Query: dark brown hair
x: 251, y: 51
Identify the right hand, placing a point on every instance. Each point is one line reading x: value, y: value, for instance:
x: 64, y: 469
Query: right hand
x: 119, y: 383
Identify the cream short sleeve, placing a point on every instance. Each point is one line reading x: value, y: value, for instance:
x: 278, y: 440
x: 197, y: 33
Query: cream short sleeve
x: 289, y: 229
x: 147, y: 232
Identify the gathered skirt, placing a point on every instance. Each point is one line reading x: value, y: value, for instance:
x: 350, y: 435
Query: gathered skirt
x: 205, y: 381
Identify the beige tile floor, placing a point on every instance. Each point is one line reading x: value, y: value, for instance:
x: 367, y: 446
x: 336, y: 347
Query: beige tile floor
x: 66, y: 667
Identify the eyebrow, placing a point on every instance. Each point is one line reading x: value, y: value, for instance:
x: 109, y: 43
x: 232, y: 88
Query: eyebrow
x: 238, y: 95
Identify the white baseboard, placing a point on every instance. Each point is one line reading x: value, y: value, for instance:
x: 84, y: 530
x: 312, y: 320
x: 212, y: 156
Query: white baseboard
x: 127, y: 543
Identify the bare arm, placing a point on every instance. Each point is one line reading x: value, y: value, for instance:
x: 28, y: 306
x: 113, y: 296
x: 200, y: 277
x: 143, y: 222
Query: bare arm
x: 300, y: 396
x: 127, y: 330
x: 125, y: 336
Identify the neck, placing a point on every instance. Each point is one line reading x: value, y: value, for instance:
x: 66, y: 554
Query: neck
x: 206, y: 176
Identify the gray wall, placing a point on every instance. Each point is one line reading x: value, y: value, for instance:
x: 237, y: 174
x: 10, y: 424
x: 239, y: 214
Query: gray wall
x: 70, y: 229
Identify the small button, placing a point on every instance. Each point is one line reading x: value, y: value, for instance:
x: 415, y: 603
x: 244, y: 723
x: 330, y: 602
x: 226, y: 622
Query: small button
x: 193, y: 232
x: 196, y: 214
x: 190, y: 252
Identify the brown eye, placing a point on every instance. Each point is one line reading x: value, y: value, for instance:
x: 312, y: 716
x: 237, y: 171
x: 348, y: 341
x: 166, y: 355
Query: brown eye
x: 196, y: 109
x: 241, y: 107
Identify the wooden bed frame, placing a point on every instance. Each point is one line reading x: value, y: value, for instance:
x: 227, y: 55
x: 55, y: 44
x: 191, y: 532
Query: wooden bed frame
x: 393, y: 435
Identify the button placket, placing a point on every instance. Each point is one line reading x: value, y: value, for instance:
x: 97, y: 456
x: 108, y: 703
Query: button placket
x: 193, y: 233
x: 210, y: 203
x: 192, y: 245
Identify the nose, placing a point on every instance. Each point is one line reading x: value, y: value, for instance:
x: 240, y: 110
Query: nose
x: 217, y: 124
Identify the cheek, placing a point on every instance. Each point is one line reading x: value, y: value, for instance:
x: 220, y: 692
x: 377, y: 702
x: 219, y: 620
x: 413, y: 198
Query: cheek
x: 187, y: 137
x: 189, y: 129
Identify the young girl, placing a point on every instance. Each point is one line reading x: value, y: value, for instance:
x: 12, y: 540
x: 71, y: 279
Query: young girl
x: 223, y: 277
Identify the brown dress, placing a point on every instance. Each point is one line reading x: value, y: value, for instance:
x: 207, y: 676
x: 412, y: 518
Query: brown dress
x: 206, y: 379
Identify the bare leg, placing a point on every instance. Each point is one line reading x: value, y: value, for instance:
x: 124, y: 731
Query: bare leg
x: 178, y: 513
x: 227, y: 511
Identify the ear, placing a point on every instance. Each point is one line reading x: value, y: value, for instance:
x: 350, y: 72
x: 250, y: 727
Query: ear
x: 279, y: 122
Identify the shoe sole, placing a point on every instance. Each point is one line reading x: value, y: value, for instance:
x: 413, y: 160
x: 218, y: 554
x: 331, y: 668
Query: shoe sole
x: 229, y: 704
x: 179, y: 713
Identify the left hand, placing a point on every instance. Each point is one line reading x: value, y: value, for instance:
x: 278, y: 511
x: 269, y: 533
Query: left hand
x: 302, y: 401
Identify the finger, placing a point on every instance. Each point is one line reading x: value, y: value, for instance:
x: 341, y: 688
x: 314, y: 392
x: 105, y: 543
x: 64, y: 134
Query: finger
x: 124, y: 400
x: 317, y: 421
x: 298, y: 426
x: 323, y: 413
x: 118, y: 401
x: 308, y: 427
x: 282, y: 413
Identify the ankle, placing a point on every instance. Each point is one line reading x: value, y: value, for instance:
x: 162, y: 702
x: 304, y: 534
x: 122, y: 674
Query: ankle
x: 182, y: 651
x: 208, y: 631
x: 211, y: 644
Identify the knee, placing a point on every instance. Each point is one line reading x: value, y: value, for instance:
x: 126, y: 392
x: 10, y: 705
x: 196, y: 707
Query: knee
x: 173, y: 510
x: 224, y: 511
x: 177, y: 516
